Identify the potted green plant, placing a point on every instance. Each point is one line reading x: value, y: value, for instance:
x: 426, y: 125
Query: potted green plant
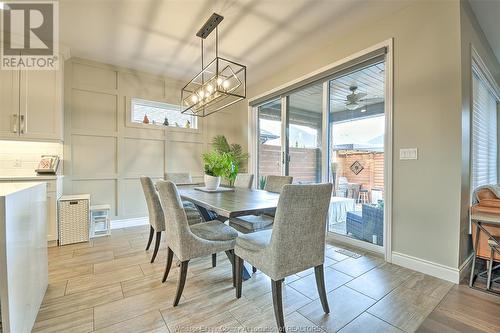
x: 235, y: 157
x: 217, y: 165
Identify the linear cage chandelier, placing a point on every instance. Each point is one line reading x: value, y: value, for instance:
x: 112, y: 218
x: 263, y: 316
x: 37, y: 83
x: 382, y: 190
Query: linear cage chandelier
x: 220, y: 84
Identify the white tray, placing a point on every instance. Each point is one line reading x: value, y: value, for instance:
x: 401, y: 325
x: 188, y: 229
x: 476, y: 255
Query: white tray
x: 220, y: 189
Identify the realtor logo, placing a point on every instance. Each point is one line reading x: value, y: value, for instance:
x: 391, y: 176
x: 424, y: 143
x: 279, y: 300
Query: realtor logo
x: 30, y: 34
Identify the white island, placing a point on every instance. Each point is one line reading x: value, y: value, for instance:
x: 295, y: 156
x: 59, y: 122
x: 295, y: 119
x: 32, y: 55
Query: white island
x: 23, y: 254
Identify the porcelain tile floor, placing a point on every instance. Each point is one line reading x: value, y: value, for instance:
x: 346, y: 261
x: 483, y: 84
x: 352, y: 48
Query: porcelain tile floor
x: 108, y: 285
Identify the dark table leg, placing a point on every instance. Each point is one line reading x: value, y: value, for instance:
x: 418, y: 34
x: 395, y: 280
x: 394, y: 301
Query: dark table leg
x: 209, y: 216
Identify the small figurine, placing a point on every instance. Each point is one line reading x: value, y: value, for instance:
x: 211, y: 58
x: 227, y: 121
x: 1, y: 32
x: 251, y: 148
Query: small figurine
x: 188, y: 124
x: 177, y: 124
x: 165, y: 122
x: 154, y: 122
x: 146, y: 119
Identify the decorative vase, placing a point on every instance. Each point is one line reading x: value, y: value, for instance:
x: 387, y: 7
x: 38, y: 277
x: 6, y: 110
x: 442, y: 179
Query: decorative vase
x: 212, y: 183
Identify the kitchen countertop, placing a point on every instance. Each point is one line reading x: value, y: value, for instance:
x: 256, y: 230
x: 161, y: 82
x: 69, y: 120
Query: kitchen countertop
x: 28, y: 177
x: 10, y: 188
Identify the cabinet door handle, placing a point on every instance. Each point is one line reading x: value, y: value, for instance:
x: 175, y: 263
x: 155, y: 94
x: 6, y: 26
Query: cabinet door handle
x: 14, y: 123
x: 22, y: 124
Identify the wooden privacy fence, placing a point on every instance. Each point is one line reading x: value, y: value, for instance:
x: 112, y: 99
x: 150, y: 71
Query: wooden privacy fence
x: 372, y: 175
x: 305, y: 162
x: 303, y: 166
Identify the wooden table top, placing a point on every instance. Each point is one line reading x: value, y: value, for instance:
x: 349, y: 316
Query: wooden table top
x: 231, y: 204
x: 486, y: 218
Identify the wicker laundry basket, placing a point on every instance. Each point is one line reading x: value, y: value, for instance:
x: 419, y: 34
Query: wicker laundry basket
x: 74, y: 218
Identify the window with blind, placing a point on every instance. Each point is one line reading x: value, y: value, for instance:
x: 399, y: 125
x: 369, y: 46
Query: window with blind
x: 484, y: 134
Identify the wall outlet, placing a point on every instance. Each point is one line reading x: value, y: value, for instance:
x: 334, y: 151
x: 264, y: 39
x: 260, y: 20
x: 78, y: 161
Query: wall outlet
x: 408, y: 154
x: 18, y: 163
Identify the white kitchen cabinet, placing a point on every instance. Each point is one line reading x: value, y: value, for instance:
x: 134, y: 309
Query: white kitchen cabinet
x: 31, y: 104
x: 9, y: 103
x: 41, y: 104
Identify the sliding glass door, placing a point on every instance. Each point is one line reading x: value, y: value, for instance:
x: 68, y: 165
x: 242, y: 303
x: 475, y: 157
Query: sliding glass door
x: 304, y: 128
x: 269, y: 128
x: 334, y: 130
x: 356, y: 150
x: 290, y: 136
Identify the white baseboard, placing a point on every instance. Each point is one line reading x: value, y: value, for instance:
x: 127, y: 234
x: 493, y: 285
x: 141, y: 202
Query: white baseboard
x: 427, y: 267
x: 126, y: 223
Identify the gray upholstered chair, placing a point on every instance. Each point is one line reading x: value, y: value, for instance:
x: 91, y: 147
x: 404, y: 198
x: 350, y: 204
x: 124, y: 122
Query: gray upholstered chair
x: 156, y: 216
x: 275, y: 183
x: 251, y: 223
x: 179, y: 178
x: 296, y: 242
x: 243, y: 180
x: 184, y: 178
x: 189, y: 242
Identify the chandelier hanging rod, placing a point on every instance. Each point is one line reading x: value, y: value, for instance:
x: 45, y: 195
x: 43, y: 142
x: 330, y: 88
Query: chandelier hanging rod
x: 209, y: 26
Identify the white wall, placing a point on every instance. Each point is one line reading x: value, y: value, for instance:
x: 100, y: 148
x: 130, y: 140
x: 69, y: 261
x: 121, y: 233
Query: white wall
x: 105, y: 157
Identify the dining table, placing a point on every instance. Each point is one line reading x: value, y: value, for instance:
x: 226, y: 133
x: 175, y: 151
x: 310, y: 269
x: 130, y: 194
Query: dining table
x: 230, y: 204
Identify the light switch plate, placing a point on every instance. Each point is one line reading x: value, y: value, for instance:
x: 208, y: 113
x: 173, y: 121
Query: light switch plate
x: 408, y: 154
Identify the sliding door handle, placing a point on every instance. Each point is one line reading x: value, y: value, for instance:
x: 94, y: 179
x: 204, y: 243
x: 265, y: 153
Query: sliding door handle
x: 14, y: 123
x: 22, y: 124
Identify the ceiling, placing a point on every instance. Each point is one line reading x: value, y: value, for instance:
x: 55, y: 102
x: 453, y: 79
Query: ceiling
x: 369, y: 80
x: 488, y: 13
x: 158, y: 36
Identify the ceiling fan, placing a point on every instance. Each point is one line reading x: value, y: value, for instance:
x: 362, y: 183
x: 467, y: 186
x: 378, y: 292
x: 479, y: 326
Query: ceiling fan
x: 352, y: 100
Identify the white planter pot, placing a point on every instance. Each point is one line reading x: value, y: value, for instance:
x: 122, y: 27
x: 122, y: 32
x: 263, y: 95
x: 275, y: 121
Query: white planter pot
x: 212, y: 183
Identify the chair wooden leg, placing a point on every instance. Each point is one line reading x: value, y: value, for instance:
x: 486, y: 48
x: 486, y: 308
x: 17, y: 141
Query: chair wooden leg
x: 170, y: 257
x: 230, y: 255
x: 157, y: 246
x: 214, y: 260
x: 278, y: 304
x: 320, y: 284
x: 254, y: 269
x: 151, y: 233
x: 238, y: 262
x: 181, y: 282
